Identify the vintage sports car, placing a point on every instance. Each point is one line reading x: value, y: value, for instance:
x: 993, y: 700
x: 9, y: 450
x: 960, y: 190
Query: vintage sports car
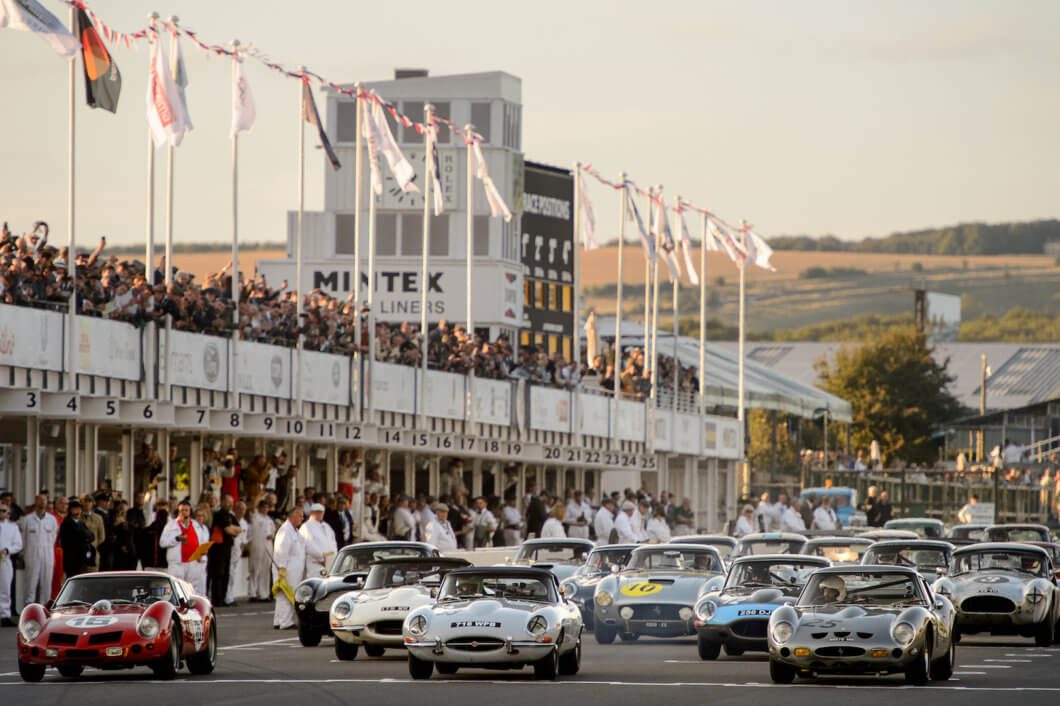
x: 838, y: 550
x: 737, y: 616
x: 560, y: 556
x: 602, y: 561
x: 495, y: 617
x: 119, y: 620
x: 314, y: 597
x: 924, y: 527
x: 768, y: 543
x: 930, y: 557
x: 880, y: 535
x: 1003, y: 588
x: 960, y: 535
x: 863, y: 620
x: 723, y: 543
x: 1017, y: 533
x: 373, y: 616
x: 656, y: 592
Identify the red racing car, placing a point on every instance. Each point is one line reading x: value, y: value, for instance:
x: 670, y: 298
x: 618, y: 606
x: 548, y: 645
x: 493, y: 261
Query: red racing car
x: 119, y: 620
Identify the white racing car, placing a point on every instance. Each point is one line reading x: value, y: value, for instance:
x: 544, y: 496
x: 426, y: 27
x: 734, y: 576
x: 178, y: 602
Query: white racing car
x: 373, y: 616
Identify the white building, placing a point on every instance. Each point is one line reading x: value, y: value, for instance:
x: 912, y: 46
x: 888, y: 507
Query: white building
x: 491, y: 102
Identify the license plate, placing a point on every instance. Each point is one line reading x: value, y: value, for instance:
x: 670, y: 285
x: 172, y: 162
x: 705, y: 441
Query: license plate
x: 657, y: 624
x: 754, y: 612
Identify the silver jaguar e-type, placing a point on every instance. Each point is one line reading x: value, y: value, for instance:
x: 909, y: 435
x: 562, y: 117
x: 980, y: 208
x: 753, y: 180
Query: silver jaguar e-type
x: 495, y: 617
x: 863, y: 620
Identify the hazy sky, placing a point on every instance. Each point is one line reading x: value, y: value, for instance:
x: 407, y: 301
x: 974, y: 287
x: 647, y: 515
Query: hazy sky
x: 807, y: 116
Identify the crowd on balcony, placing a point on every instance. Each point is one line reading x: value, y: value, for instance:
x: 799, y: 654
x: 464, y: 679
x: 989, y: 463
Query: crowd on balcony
x: 35, y: 273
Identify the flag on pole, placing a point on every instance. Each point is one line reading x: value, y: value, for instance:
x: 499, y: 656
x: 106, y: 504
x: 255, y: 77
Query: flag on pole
x: 588, y: 216
x: 380, y: 140
x: 31, y: 16
x: 631, y: 212
x: 758, y: 250
x: 164, y: 118
x: 102, y: 78
x: 180, y: 80
x: 311, y: 116
x: 664, y: 240
x: 686, y: 246
x: 729, y: 243
x: 493, y: 197
x: 244, y: 112
x: 436, y: 174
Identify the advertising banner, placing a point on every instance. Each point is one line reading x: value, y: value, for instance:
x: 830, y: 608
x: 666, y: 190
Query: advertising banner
x: 594, y: 412
x: 549, y: 409
x: 195, y: 360
x: 394, y: 388
x: 263, y: 369
x: 491, y: 401
x: 325, y: 378
x: 31, y: 338
x: 108, y: 348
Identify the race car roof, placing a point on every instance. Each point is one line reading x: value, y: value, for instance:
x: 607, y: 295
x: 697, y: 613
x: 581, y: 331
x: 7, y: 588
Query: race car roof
x: 782, y: 558
x: 912, y: 544
x: 423, y: 560
x: 998, y: 547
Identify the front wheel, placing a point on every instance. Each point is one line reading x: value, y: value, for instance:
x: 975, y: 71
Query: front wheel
x: 780, y: 672
x: 942, y: 668
x: 570, y: 663
x: 30, y: 672
x: 546, y: 668
x: 205, y: 661
x: 708, y: 649
x: 1045, y: 633
x: 420, y: 668
x: 374, y: 650
x: 308, y: 635
x: 345, y: 651
x: 604, y: 634
x: 919, y: 671
x: 166, y: 667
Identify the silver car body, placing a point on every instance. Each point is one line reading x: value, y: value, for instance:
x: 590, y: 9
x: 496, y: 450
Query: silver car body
x: 722, y: 542
x: 925, y: 527
x: 561, y: 556
x: 601, y: 563
x: 929, y: 557
x: 768, y: 543
x: 838, y: 550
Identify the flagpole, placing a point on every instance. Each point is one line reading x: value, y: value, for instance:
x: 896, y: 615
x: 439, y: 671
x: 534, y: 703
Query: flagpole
x: 428, y: 143
x: 617, y: 356
x: 703, y: 318
x: 655, y: 302
x: 469, y: 131
x: 740, y: 379
x: 235, y: 236
x: 675, y: 328
x: 358, y: 170
x: 371, y: 307
x: 150, y: 254
x: 298, y: 240
x: 647, y: 281
x: 71, y: 246
x: 173, y: 19
x: 578, y: 235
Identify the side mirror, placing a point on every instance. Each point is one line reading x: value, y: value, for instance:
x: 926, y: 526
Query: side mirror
x: 939, y: 605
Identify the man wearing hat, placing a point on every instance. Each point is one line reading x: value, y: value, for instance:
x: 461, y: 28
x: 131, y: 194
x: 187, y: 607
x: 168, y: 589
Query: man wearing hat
x: 439, y: 532
x: 79, y: 554
x: 604, y: 521
x: 320, y: 545
x: 627, y: 533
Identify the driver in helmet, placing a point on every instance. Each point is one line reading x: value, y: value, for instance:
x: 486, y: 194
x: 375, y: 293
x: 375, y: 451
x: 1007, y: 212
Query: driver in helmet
x: 1029, y: 563
x: 831, y: 589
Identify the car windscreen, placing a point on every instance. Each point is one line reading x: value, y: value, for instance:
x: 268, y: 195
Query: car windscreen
x: 490, y: 585
x: 401, y: 574
x: 116, y: 589
x: 919, y: 558
x: 1032, y: 564
x: 600, y: 561
x: 785, y: 575
x: 861, y: 588
x: 675, y: 560
x: 553, y: 553
x: 1017, y: 534
x: 924, y: 530
x: 770, y: 546
x: 839, y: 553
x: 350, y: 560
x: 976, y: 533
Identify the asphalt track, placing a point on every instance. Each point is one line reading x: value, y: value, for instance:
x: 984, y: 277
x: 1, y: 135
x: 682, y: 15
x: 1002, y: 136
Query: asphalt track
x: 260, y: 665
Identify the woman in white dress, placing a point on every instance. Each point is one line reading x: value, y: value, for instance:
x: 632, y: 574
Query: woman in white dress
x: 553, y: 526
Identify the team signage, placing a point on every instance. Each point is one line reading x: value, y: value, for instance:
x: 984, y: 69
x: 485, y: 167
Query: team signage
x: 547, y: 242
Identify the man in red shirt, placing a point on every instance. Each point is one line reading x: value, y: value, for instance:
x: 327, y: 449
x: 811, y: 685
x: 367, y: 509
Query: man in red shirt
x: 230, y: 475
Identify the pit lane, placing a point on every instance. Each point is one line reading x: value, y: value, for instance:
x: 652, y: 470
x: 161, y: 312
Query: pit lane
x: 259, y: 664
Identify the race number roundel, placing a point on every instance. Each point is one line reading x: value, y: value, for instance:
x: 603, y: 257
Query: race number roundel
x: 641, y: 588
x: 92, y: 621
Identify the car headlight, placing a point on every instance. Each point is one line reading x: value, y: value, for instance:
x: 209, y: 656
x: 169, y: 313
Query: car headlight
x: 537, y: 625
x: 604, y: 599
x: 903, y: 634
x: 417, y: 625
x: 705, y: 610
x: 1035, y: 596
x: 303, y: 594
x: 341, y: 610
x: 782, y: 632
x: 29, y: 629
x: 147, y: 628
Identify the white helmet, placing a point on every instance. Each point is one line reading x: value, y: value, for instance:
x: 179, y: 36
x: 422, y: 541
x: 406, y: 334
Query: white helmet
x: 836, y: 584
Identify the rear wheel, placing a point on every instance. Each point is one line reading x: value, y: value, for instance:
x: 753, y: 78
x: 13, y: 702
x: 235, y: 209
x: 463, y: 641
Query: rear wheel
x: 70, y: 671
x: 604, y: 634
x: 942, y: 668
x: 1045, y: 633
x: 166, y: 667
x: 733, y: 650
x: 345, y: 651
x: 447, y: 669
x: 546, y: 668
x: 374, y: 650
x: 308, y: 635
x: 781, y: 673
x: 919, y: 671
x: 570, y: 663
x: 30, y: 672
x: 205, y: 661
x: 708, y: 649
x: 420, y: 668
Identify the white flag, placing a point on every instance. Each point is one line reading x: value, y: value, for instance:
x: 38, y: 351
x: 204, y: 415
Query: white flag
x: 368, y: 131
x: 632, y: 212
x: 244, y: 113
x: 588, y: 216
x: 728, y: 242
x: 493, y: 197
x: 180, y: 80
x: 381, y: 141
x: 436, y: 174
x: 758, y: 250
x: 686, y: 247
x: 664, y: 239
x: 31, y: 16
x: 163, y: 116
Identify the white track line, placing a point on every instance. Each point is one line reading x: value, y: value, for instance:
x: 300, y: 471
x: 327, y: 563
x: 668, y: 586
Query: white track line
x: 990, y: 666
x: 1024, y: 661
x: 257, y: 644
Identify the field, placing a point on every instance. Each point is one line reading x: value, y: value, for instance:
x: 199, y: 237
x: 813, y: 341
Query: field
x: 202, y: 263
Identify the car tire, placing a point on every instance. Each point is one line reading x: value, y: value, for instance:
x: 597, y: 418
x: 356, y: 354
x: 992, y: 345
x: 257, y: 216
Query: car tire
x: 345, y: 651
x: 446, y: 668
x: 205, y: 661
x: 919, y: 672
x: 1045, y: 632
x: 942, y: 668
x: 604, y: 634
x: 628, y: 636
x: 309, y: 636
x: 166, y: 666
x: 709, y: 650
x: 374, y: 650
x: 733, y: 650
x: 780, y: 672
x: 70, y: 671
x: 570, y: 663
x: 420, y: 668
x: 31, y: 673
x: 546, y: 668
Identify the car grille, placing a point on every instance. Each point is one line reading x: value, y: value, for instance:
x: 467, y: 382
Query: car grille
x: 840, y: 651
x: 656, y: 612
x: 62, y: 638
x: 750, y: 628
x: 102, y: 638
x: 475, y: 644
x: 386, y: 627
x: 987, y: 604
x: 81, y: 654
